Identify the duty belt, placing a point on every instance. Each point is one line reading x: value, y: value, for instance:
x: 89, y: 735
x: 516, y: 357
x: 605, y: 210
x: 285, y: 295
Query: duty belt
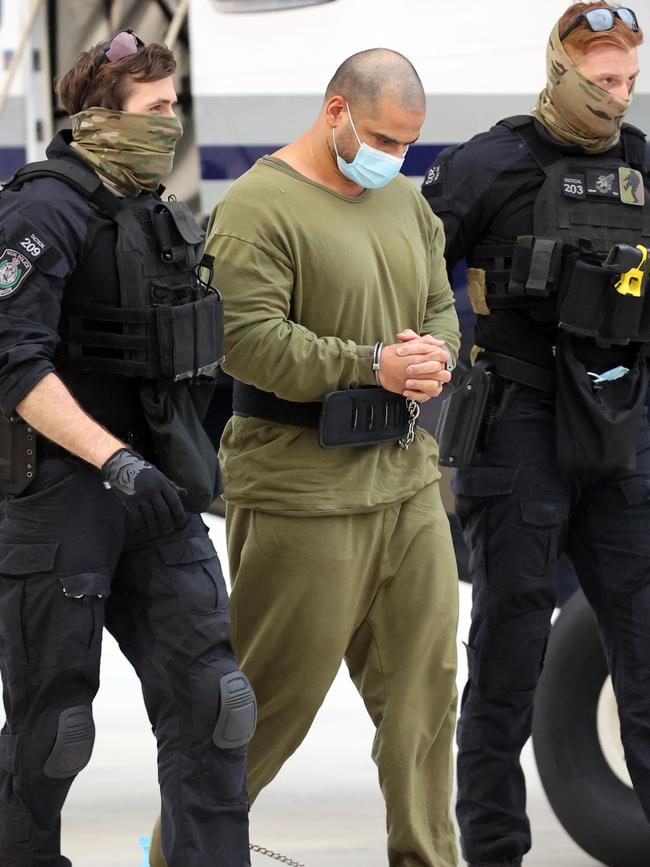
x: 138, y: 439
x: 521, y: 372
x: 346, y: 418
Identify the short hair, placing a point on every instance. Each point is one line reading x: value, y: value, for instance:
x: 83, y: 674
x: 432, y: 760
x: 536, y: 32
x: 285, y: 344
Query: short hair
x: 369, y: 76
x: 583, y: 38
x: 113, y: 81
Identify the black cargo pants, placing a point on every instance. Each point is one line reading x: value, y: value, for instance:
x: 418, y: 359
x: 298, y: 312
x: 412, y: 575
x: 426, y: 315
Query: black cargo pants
x: 69, y: 566
x: 519, y: 512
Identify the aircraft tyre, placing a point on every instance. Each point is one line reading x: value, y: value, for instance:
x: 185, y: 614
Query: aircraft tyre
x: 597, y: 809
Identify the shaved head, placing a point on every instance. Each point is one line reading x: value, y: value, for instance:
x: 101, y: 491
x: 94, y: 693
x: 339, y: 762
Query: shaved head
x: 379, y: 73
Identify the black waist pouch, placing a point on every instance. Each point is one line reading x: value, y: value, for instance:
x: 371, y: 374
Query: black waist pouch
x: 596, y: 426
x: 362, y: 417
x: 174, y: 413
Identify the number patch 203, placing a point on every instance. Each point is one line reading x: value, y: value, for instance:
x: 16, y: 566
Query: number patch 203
x: 574, y: 187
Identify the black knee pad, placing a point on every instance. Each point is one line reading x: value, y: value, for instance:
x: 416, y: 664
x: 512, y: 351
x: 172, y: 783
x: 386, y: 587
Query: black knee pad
x: 237, y: 712
x: 74, y: 743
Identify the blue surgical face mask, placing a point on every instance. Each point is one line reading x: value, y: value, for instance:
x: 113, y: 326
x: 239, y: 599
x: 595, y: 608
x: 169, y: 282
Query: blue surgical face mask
x: 371, y: 168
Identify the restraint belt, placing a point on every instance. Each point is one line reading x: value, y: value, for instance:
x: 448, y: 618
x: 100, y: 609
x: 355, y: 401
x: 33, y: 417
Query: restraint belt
x: 249, y: 401
x: 345, y: 418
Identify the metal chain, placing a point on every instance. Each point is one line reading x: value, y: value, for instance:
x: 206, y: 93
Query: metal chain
x: 413, y: 408
x: 283, y: 859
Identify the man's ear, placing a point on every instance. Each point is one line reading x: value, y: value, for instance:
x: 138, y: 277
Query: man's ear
x: 333, y: 109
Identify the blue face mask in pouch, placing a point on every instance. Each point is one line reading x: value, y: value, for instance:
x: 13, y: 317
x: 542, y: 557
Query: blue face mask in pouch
x: 371, y: 168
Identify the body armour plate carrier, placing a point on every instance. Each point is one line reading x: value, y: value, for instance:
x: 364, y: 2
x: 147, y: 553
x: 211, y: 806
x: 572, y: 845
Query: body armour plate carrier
x: 169, y: 323
x: 167, y: 329
x: 591, y: 221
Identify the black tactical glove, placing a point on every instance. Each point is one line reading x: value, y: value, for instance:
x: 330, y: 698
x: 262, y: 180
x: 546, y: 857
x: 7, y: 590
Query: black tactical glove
x: 151, y: 499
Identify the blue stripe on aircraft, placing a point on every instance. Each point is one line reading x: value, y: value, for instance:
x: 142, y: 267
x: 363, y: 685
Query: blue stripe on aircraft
x: 226, y: 162
x: 11, y: 159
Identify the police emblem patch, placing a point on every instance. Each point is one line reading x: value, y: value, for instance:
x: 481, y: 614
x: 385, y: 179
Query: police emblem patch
x: 14, y: 267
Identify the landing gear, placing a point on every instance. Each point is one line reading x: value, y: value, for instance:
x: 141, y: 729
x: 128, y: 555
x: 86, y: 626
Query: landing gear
x: 578, y: 748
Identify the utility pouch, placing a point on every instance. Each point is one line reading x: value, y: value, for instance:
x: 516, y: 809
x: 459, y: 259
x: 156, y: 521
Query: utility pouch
x: 622, y: 318
x: 589, y: 287
x: 644, y: 324
x: 174, y: 413
x: 597, y: 426
x: 190, y: 338
x: 462, y: 423
x: 17, y: 456
x: 179, y: 237
x: 362, y: 417
x: 536, y: 266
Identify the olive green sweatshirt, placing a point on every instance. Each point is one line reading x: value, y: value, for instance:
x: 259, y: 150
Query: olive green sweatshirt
x: 311, y: 279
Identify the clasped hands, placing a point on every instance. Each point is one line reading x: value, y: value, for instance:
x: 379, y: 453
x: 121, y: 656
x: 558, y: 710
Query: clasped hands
x: 415, y: 367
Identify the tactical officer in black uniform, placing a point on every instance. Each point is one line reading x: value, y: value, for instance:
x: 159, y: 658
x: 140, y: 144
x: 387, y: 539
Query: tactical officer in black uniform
x: 109, y: 343
x: 552, y: 214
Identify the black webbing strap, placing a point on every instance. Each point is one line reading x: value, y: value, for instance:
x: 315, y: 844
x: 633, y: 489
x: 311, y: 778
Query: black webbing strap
x: 634, y: 147
x: 82, y: 179
x: 495, y: 260
x: 249, y: 401
x: 633, y: 139
x: 98, y: 313
x: 502, y: 262
x: 544, y: 154
x: 541, y: 272
x: 492, y: 251
x: 522, y: 372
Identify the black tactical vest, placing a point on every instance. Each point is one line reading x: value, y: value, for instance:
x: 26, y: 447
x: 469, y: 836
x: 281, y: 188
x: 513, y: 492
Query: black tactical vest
x: 585, y: 268
x: 586, y: 206
x: 169, y: 323
x: 167, y: 329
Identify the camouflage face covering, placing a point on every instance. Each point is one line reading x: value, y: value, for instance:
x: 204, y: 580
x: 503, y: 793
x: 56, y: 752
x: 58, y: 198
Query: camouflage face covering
x: 131, y: 152
x: 573, y: 108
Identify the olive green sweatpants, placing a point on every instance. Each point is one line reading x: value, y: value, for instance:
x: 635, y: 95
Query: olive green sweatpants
x: 379, y: 590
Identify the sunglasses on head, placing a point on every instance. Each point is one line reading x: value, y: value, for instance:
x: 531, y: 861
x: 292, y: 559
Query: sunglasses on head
x: 119, y: 46
x: 603, y: 19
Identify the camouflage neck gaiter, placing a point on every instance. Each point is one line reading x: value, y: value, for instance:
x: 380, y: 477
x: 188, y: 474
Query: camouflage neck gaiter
x: 130, y: 152
x: 574, y: 109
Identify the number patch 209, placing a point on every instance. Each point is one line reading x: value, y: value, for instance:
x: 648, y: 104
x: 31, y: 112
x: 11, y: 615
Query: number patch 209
x: 32, y: 249
x: 32, y: 245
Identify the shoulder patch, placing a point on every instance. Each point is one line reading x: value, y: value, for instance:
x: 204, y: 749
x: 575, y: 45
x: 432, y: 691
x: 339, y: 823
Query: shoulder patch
x: 433, y: 176
x: 14, y: 270
x: 32, y: 246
